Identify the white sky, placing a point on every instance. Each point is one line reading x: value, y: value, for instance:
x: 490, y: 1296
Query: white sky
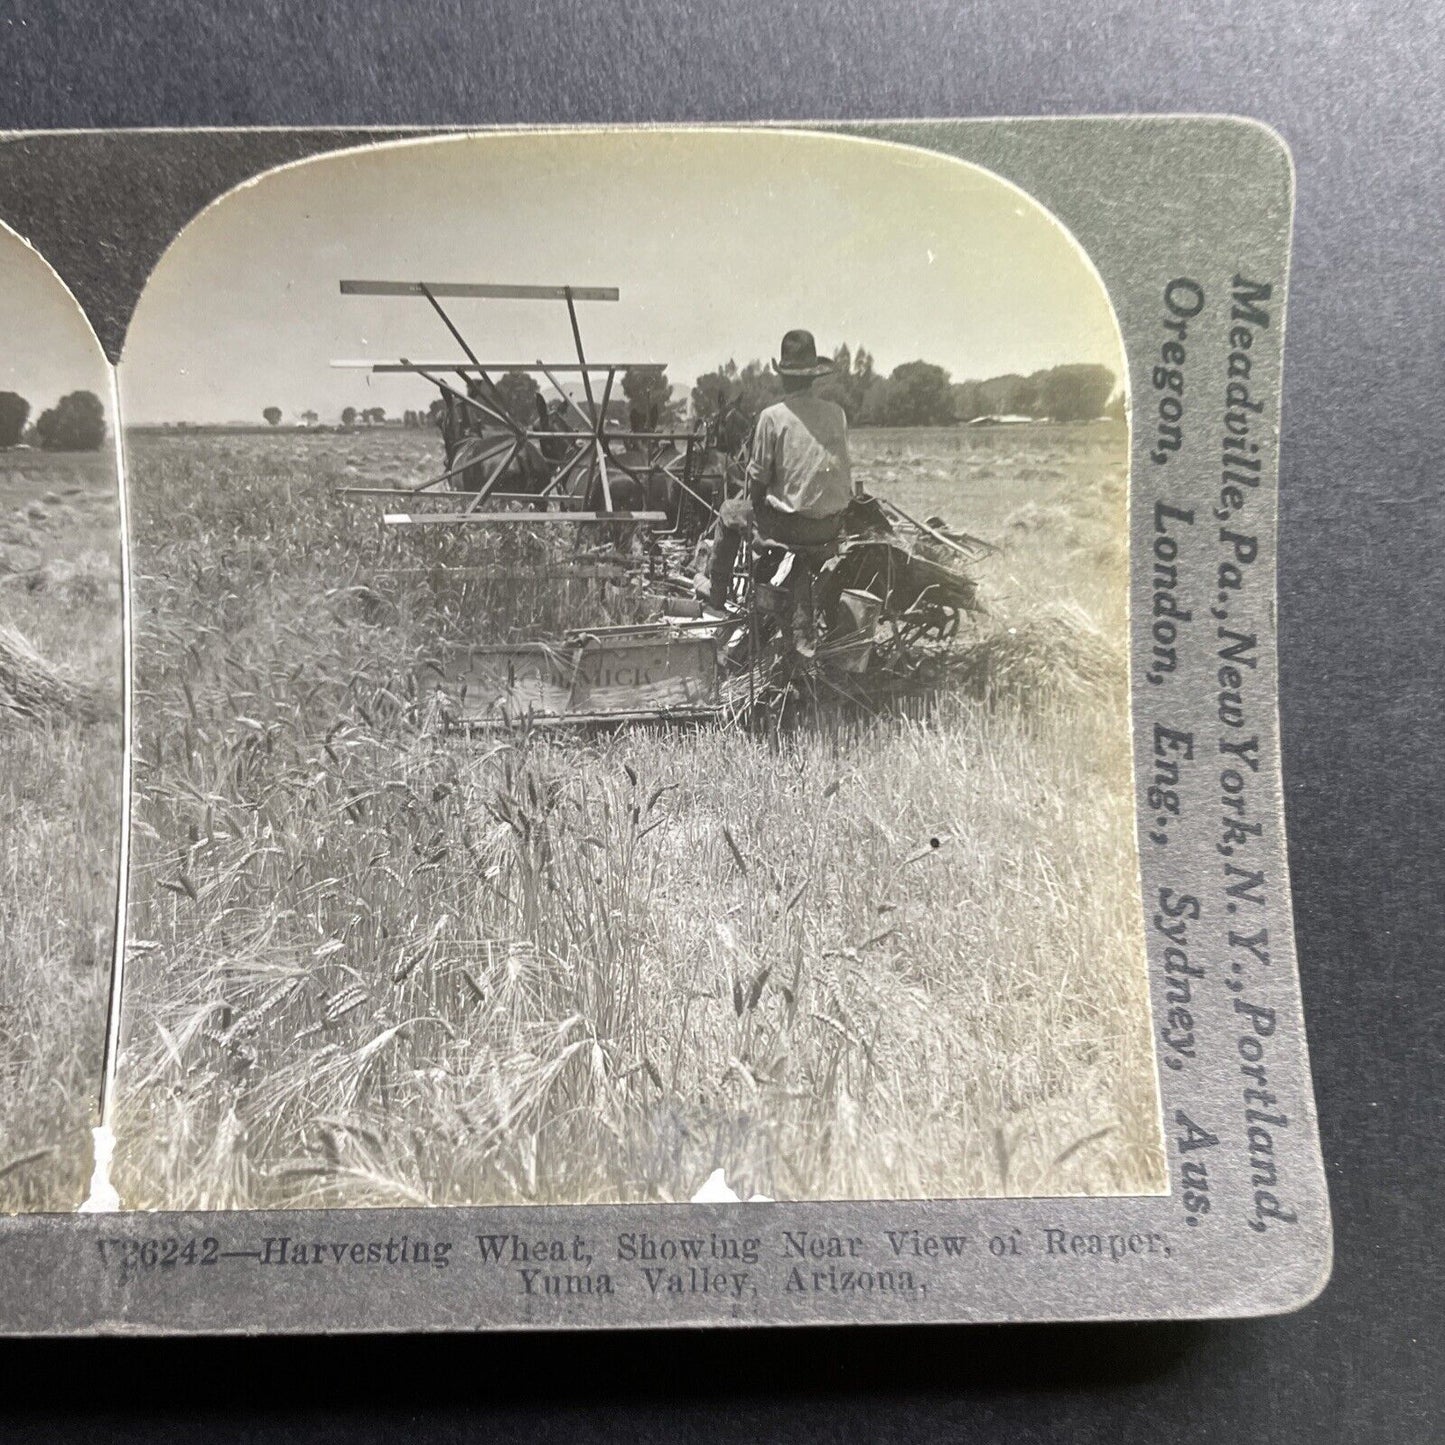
x: 719, y: 243
x: 46, y: 345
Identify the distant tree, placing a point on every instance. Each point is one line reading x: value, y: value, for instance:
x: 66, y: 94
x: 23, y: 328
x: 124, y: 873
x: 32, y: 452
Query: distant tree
x: 76, y: 423
x: 272, y: 415
x: 374, y: 415
x: 309, y: 418
x: 1007, y: 395
x: 967, y: 400
x: 1059, y: 393
x: 750, y: 389
x: 838, y: 385
x: 14, y: 411
x: 863, y: 373
x: 876, y: 408
x: 713, y: 390
x: 836, y: 388
x: 848, y: 382
x: 1073, y: 393
x: 1116, y: 409
x: 650, y: 406
x: 758, y: 386
x: 348, y: 416
x: 920, y: 395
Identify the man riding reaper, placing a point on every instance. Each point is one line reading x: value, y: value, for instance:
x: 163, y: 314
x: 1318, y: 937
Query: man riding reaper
x: 799, y: 483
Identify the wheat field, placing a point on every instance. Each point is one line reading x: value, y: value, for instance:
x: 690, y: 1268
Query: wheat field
x: 60, y: 784
x: 370, y: 963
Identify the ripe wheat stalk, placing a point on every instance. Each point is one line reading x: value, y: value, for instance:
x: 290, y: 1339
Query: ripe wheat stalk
x: 372, y: 963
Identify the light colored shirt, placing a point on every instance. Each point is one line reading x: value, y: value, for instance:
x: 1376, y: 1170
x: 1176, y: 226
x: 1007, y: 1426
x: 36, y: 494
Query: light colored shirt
x: 799, y: 460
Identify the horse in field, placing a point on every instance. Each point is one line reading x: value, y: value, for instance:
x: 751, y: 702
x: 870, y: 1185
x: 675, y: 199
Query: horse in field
x: 480, y: 451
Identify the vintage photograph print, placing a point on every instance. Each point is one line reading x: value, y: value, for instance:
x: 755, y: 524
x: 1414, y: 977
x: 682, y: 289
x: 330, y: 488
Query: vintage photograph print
x: 61, y: 754
x: 702, y: 729
x: 631, y: 686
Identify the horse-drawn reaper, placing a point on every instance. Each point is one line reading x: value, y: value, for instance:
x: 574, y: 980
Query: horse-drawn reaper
x: 885, y: 599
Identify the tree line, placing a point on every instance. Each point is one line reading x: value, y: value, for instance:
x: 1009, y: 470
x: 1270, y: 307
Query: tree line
x: 645, y: 403
x: 915, y: 393
x: 76, y: 423
x: 918, y: 393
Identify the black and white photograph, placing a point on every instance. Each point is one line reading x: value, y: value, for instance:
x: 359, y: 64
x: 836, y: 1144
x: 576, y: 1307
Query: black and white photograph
x: 61, y: 667
x: 681, y: 684
x: 631, y: 686
x: 661, y: 726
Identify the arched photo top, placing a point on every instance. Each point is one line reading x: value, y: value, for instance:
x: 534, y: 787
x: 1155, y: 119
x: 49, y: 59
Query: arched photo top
x: 304, y: 568
x: 51, y: 350
x: 718, y: 240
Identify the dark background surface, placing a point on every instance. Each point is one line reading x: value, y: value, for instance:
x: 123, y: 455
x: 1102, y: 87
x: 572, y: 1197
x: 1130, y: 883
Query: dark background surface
x: 1356, y: 89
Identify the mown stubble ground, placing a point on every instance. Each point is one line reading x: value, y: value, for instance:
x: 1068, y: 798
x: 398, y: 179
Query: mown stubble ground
x: 60, y: 782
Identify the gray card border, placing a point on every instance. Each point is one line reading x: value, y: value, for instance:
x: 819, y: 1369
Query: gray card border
x: 1152, y: 200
